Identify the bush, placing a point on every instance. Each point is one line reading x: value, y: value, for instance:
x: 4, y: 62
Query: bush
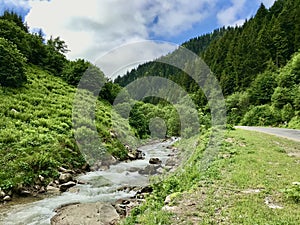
x: 293, y: 193
x: 263, y: 115
x: 12, y: 65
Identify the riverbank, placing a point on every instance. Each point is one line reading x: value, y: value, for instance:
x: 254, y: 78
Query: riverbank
x: 113, y: 212
x: 254, y: 179
x: 97, y: 186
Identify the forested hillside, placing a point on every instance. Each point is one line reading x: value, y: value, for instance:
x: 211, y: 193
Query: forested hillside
x: 257, y: 65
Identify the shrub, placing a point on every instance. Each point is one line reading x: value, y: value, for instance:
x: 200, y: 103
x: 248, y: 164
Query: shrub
x: 12, y: 65
x: 263, y: 115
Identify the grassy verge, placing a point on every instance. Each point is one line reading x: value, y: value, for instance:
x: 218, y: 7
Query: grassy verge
x: 36, y: 133
x: 250, y: 182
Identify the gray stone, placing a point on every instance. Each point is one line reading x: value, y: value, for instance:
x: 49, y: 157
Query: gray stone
x: 66, y: 186
x: 155, y: 161
x: 65, y: 177
x: 7, y: 198
x: 86, y: 213
x: 149, y: 170
x: 41, y: 178
x: 2, y: 194
x: 52, y: 189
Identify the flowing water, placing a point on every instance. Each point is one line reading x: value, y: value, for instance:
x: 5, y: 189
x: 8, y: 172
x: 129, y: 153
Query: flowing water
x: 102, y: 186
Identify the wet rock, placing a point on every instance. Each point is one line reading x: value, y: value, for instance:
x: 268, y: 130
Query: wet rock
x: 7, y: 198
x: 104, y: 164
x: 155, y: 161
x: 81, y: 182
x: 127, y: 188
x: 86, y: 213
x: 86, y: 167
x: 108, y: 161
x: 64, y: 187
x: 52, y: 189
x: 133, y: 169
x: 42, y: 190
x: 2, y: 194
x: 64, y: 170
x: 124, y: 206
x: 65, y: 177
x: 25, y: 193
x: 136, y: 154
x: 41, y: 178
x: 146, y: 189
x: 149, y: 170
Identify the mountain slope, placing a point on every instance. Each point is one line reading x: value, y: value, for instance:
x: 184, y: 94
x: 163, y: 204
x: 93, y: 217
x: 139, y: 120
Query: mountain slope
x: 36, y: 135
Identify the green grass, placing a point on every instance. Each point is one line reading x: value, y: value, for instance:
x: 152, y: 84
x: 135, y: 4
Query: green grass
x: 250, y: 170
x: 36, y: 133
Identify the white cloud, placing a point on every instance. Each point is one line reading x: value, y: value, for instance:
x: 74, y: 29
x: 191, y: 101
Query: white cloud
x: 19, y: 6
x: 126, y: 57
x: 267, y: 3
x: 91, y: 28
x: 231, y: 15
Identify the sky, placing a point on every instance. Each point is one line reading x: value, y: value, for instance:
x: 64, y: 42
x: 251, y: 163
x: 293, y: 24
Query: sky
x: 94, y: 28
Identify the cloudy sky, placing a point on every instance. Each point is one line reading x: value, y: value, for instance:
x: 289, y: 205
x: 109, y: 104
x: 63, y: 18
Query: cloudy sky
x: 91, y: 28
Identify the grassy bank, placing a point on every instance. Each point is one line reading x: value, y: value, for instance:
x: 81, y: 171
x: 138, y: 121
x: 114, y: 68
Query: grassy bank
x: 36, y: 135
x: 252, y: 181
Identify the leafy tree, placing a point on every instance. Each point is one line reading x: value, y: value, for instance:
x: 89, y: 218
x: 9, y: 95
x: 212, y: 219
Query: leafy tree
x: 55, y: 60
x: 10, y: 31
x: 290, y: 74
x: 262, y: 88
x: 281, y: 96
x: 109, y: 91
x: 263, y: 115
x: 58, y: 44
x: 74, y: 70
x: 12, y: 65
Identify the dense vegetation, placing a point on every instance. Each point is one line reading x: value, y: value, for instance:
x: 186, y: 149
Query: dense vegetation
x: 37, y: 90
x: 257, y: 65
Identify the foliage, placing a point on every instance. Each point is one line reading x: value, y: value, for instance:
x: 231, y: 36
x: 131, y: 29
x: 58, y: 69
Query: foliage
x: 109, y: 91
x: 293, y: 193
x: 36, y: 135
x: 262, y: 88
x: 74, y: 70
x: 263, y: 115
x: 12, y: 65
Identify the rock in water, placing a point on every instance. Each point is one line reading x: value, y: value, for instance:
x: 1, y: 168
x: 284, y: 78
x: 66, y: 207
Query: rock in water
x: 65, y: 177
x: 155, y: 161
x: 86, y: 213
x: 64, y: 187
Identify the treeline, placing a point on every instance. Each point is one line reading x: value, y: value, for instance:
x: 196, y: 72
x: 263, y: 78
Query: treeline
x: 249, y: 61
x: 269, y: 38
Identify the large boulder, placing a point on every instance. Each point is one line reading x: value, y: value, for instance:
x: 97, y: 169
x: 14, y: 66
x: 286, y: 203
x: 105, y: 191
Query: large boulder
x: 65, y: 177
x: 86, y: 213
x: 149, y: 170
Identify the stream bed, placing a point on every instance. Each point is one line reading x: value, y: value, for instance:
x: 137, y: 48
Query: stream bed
x: 102, y: 186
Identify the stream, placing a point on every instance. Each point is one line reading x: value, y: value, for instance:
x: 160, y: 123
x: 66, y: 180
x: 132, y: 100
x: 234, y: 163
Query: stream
x: 101, y: 186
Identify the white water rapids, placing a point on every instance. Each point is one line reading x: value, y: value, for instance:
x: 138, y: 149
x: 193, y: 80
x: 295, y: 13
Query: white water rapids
x: 102, y: 186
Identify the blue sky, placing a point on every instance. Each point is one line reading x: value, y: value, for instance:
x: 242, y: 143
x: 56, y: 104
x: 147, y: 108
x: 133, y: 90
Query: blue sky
x: 93, y: 27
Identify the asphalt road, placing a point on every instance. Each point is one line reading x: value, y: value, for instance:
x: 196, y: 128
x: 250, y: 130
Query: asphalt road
x: 280, y: 132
